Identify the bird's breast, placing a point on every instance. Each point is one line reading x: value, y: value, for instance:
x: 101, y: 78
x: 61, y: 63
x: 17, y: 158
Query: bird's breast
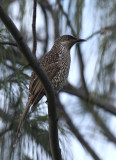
x: 64, y: 65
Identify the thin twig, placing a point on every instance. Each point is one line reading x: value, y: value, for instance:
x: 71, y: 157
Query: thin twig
x: 5, y: 130
x: 34, y: 27
x: 46, y: 27
x: 8, y: 43
x: 67, y: 17
x: 76, y: 132
x: 81, y: 63
x: 104, y: 105
x: 54, y: 15
x: 102, y: 31
x: 80, y: 93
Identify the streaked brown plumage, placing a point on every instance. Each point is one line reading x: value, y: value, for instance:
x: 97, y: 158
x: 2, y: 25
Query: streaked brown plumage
x: 56, y: 64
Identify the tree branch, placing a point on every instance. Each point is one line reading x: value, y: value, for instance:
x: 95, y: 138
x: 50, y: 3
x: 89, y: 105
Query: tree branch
x: 82, y: 70
x: 53, y: 130
x: 46, y: 27
x: 67, y: 17
x: 54, y: 15
x: 34, y: 27
x: 8, y: 43
x: 79, y: 92
x: 102, y: 31
x: 76, y: 132
x: 6, y: 130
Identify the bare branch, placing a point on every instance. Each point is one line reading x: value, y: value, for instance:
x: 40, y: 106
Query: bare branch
x: 79, y: 92
x: 102, y: 31
x: 8, y: 43
x: 46, y: 27
x: 5, y: 130
x: 67, y: 17
x: 76, y: 132
x: 81, y: 63
x: 54, y: 15
x: 34, y: 27
x: 105, y: 129
x: 53, y: 130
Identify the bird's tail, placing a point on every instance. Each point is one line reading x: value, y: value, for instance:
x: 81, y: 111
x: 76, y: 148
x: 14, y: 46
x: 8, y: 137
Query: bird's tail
x: 22, y: 121
x: 32, y: 101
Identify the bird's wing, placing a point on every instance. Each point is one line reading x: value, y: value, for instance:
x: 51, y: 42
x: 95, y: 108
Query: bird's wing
x: 21, y: 123
x: 35, y: 85
x: 36, y: 92
x: 52, y: 70
x: 36, y: 88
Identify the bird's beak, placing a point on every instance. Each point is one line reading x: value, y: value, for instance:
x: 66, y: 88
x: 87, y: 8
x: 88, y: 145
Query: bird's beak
x: 76, y: 41
x: 80, y: 40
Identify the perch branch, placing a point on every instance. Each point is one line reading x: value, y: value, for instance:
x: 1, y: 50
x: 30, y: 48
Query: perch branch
x: 53, y: 130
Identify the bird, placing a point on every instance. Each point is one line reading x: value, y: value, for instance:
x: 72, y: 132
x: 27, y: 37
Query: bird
x: 56, y: 64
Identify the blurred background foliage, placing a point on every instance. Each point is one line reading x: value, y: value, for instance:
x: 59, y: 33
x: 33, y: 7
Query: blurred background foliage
x: 92, y: 75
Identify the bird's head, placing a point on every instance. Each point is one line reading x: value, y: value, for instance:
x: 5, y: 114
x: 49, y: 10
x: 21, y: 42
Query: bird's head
x: 68, y: 41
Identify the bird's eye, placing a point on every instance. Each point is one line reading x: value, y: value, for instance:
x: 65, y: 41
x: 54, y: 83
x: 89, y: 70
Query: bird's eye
x: 68, y: 38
